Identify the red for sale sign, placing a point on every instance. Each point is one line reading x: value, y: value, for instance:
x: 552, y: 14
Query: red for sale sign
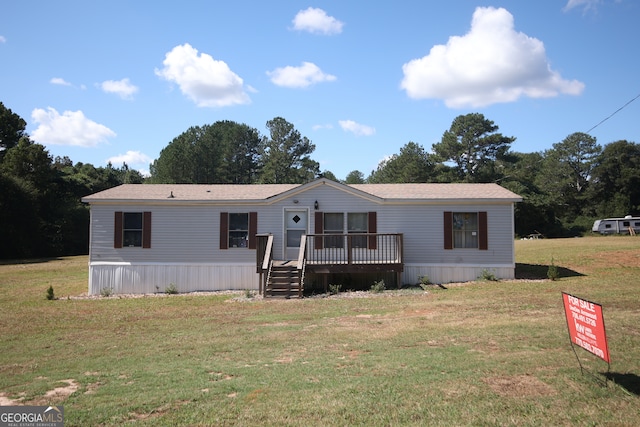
x: 586, y: 325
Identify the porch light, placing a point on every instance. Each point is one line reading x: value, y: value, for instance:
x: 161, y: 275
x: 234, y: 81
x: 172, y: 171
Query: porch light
x: 316, y: 205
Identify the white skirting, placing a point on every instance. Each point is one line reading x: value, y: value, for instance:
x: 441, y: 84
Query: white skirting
x: 146, y: 278
x: 454, y: 273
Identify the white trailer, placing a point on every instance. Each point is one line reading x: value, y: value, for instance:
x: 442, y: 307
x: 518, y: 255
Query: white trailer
x: 627, y: 225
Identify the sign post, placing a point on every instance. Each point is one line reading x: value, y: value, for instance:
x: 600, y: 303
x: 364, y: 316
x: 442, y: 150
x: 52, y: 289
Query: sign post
x: 586, y: 327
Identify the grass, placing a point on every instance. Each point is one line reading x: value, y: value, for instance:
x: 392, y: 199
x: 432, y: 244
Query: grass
x: 483, y: 353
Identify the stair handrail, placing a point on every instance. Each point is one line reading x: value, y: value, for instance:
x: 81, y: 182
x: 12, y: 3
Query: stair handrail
x: 268, y: 253
x: 302, y: 253
x: 302, y: 262
x: 301, y: 278
x: 267, y: 278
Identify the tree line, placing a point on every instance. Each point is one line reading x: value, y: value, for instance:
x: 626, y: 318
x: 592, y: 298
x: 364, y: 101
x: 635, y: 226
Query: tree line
x: 564, y: 188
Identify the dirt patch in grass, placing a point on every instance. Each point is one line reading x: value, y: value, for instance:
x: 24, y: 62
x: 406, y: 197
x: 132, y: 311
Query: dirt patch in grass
x: 59, y: 394
x: 157, y: 412
x: 56, y: 395
x: 6, y: 401
x: 519, y: 386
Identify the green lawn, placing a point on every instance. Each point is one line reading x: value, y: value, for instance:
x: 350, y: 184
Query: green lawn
x: 482, y: 353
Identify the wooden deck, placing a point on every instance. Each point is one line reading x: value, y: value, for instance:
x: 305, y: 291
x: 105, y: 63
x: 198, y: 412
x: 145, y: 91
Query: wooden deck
x: 326, y: 254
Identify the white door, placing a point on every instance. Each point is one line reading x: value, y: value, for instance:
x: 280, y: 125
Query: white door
x: 295, y: 225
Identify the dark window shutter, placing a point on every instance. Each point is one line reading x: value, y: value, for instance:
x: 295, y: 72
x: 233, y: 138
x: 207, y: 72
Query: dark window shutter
x: 448, y: 230
x: 373, y: 228
x: 117, y: 230
x: 224, y: 230
x: 146, y: 230
x: 483, y: 232
x: 319, y: 229
x: 253, y: 229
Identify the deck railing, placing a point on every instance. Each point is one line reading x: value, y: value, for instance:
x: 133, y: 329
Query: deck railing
x: 352, y: 249
x: 264, y: 258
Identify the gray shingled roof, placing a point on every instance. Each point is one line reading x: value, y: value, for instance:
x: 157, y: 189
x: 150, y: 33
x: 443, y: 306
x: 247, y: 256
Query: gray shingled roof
x: 261, y: 192
x: 194, y: 192
x: 437, y: 191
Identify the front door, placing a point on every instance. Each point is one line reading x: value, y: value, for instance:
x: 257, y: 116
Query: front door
x: 295, y: 225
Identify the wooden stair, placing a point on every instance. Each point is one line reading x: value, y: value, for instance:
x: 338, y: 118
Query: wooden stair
x: 283, y: 281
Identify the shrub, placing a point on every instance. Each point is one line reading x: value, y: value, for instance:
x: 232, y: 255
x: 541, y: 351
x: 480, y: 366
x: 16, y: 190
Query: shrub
x: 378, y: 287
x: 334, y: 289
x: 552, y: 272
x: 248, y: 293
x: 106, y: 292
x: 171, y: 289
x: 50, y: 295
x: 424, y: 282
x: 488, y: 276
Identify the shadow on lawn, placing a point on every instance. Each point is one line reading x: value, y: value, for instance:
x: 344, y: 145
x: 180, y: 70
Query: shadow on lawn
x: 28, y: 261
x: 539, y: 271
x: 630, y: 382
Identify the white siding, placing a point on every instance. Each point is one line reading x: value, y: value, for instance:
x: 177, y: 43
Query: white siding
x: 183, y: 234
x: 423, y: 227
x: 185, y: 242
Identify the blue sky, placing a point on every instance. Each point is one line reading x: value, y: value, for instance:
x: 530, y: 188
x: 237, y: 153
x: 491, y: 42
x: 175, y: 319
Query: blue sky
x: 117, y: 81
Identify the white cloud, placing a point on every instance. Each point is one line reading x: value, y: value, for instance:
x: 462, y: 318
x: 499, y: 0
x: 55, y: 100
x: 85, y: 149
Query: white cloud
x: 131, y: 158
x: 3, y: 39
x: 204, y: 80
x: 296, y: 77
x: 356, y: 128
x: 491, y: 64
x: 123, y: 88
x: 59, y: 81
x: 62, y: 82
x: 588, y: 4
x: 320, y: 127
x: 70, y: 128
x: 317, y: 21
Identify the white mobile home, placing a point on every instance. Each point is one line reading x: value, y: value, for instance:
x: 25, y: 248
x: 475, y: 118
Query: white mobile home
x: 145, y: 237
x: 627, y: 225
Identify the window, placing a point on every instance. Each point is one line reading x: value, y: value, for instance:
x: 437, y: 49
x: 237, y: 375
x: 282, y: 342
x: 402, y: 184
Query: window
x: 333, y: 224
x: 358, y: 223
x: 238, y: 230
x: 132, y: 230
x: 465, y: 230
